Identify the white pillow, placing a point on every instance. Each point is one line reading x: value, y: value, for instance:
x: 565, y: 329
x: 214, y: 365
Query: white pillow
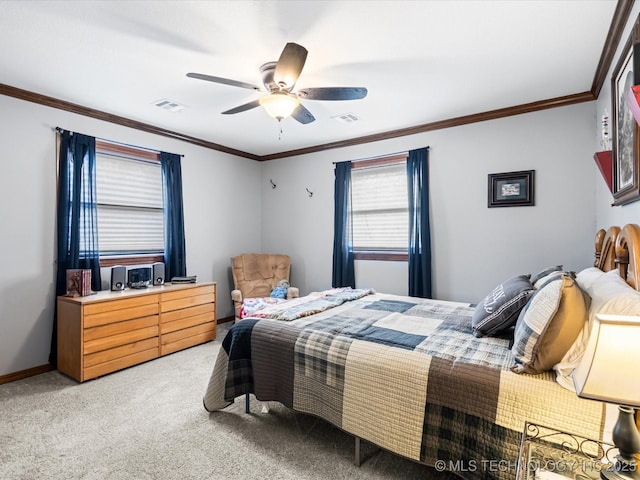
x: 572, y: 358
x: 587, y: 277
x: 610, y: 294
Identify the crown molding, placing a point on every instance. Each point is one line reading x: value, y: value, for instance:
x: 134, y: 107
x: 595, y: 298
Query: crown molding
x: 618, y: 22
x: 28, y: 96
x: 439, y: 125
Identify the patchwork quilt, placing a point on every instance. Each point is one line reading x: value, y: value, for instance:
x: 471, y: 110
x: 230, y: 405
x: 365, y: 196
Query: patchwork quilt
x: 406, y: 374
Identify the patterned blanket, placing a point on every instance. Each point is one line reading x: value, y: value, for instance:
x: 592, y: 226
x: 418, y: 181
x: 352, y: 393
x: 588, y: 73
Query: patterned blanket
x: 406, y: 374
x: 309, y: 305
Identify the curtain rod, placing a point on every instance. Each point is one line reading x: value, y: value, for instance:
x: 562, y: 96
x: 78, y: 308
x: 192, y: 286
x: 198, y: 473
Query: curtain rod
x: 60, y: 130
x: 403, y: 152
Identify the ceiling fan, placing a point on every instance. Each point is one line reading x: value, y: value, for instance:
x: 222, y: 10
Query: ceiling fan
x: 279, y: 78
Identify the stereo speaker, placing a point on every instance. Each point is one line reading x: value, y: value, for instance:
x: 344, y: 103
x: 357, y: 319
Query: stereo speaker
x: 118, y: 277
x: 158, y: 273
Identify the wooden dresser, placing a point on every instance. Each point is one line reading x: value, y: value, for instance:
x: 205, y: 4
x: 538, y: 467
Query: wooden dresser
x: 108, y: 331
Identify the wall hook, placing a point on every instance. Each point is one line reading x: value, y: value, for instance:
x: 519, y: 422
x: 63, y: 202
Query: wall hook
x: 309, y: 192
x: 273, y: 185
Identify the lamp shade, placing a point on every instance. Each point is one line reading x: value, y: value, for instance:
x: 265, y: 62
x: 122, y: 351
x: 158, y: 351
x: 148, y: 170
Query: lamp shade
x: 610, y: 368
x: 279, y: 104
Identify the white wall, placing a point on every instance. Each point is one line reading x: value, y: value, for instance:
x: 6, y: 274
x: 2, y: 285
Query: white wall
x: 474, y: 247
x: 219, y: 223
x: 606, y: 215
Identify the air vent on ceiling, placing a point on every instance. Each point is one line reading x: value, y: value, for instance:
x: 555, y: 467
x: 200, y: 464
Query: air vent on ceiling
x: 169, y: 105
x: 346, y: 118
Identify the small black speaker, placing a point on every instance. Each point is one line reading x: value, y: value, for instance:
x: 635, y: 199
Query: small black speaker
x: 118, y: 277
x: 158, y: 273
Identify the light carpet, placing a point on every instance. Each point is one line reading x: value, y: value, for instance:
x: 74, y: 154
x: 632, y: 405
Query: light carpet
x: 148, y: 422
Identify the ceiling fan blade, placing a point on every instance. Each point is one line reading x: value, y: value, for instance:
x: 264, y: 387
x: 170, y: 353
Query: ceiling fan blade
x: 303, y: 115
x: 242, y: 108
x: 225, y: 81
x: 290, y: 65
x: 333, y: 93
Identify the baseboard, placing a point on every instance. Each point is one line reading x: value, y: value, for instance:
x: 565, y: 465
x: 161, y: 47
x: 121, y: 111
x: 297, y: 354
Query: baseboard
x: 30, y: 372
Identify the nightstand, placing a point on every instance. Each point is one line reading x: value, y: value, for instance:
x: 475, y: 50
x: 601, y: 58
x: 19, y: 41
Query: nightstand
x: 549, y: 454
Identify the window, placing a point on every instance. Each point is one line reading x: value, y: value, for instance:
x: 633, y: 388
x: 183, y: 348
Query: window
x: 130, y: 205
x: 379, y: 209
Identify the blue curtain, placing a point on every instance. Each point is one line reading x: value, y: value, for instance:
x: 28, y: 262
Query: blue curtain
x: 419, y: 231
x: 77, y: 216
x: 343, y: 260
x: 174, y: 243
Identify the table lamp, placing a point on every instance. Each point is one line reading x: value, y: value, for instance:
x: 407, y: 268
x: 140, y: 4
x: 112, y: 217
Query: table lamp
x: 610, y: 372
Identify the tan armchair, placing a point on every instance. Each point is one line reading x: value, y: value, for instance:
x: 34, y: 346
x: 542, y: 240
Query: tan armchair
x: 256, y: 274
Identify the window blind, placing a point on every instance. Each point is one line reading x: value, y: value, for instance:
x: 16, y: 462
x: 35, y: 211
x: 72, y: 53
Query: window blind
x: 379, y: 207
x: 130, y: 205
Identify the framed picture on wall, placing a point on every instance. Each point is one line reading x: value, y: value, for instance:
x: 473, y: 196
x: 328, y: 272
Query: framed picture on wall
x: 625, y: 151
x: 511, y: 189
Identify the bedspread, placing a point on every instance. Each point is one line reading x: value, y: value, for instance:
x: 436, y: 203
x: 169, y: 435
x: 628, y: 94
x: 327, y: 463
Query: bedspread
x: 404, y: 373
x: 310, y: 304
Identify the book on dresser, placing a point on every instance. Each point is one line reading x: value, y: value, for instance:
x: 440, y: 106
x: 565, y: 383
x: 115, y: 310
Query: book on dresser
x: 78, y: 282
x: 112, y: 330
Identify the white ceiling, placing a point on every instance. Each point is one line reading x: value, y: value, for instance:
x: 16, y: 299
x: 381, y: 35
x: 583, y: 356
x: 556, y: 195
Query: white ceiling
x: 422, y: 61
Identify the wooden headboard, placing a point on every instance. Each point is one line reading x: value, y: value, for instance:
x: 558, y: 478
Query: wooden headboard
x: 620, y: 248
x: 605, y: 248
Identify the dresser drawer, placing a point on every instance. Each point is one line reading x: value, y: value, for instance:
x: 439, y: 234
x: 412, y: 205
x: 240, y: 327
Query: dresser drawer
x: 187, y: 298
x: 186, y: 323
x: 120, y: 363
x: 172, y: 316
x: 119, y: 304
x: 187, y: 337
x: 187, y: 332
x: 119, y: 315
x: 104, y: 356
x: 186, y: 302
x: 119, y: 327
x: 187, y: 292
x: 105, y: 343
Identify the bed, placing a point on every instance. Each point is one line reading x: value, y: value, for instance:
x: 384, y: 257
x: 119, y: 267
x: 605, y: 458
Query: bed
x: 413, y: 376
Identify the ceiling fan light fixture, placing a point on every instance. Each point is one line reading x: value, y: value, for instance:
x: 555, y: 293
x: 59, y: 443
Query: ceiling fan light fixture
x: 279, y: 79
x: 279, y: 104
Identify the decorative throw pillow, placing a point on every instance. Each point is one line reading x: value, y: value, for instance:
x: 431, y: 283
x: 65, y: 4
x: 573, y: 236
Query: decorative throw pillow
x: 549, y: 325
x: 280, y: 290
x: 499, y: 310
x: 544, y: 273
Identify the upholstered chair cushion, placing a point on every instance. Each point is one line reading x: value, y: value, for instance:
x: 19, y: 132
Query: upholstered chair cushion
x: 256, y: 275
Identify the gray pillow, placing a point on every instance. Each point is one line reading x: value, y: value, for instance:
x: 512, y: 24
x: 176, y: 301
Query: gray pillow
x: 544, y: 273
x: 500, y: 309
